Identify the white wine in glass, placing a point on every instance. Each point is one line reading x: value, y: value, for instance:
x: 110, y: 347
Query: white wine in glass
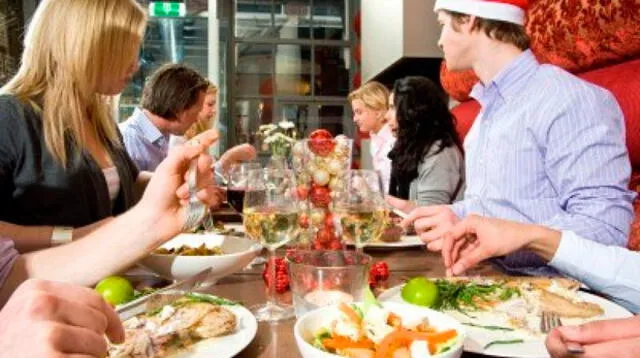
x: 270, y: 216
x: 360, y: 208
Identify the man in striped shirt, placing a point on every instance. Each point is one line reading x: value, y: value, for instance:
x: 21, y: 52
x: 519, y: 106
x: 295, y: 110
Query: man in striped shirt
x: 546, y: 148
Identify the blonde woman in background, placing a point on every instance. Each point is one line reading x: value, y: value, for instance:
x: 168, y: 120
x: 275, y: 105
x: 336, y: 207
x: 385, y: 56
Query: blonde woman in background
x: 207, y: 120
x: 62, y: 161
x: 370, y: 104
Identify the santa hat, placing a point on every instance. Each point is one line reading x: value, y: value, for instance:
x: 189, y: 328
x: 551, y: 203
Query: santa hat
x: 512, y: 11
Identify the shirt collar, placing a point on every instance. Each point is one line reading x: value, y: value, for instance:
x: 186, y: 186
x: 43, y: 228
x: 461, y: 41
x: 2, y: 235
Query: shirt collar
x: 384, y: 134
x: 148, y: 129
x: 510, y: 81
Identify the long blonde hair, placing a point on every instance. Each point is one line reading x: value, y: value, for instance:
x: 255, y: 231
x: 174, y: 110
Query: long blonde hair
x: 69, y: 48
x: 203, y: 126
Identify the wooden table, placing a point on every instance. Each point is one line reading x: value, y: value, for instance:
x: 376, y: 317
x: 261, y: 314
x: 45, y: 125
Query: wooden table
x: 277, y: 340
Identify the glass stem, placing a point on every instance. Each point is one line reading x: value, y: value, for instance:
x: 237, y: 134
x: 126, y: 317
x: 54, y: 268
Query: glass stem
x: 272, y: 273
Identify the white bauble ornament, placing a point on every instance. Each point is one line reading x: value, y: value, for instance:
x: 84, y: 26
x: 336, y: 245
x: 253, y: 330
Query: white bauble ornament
x: 334, y: 166
x: 321, y: 177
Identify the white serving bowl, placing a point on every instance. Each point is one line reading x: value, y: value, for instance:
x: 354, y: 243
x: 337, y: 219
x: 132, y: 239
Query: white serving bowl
x: 312, y: 322
x: 238, y: 253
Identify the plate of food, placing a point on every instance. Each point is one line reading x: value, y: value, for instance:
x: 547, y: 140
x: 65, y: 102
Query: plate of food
x: 187, y: 254
x: 186, y: 325
x: 503, y: 315
x: 387, y: 330
x: 394, y: 236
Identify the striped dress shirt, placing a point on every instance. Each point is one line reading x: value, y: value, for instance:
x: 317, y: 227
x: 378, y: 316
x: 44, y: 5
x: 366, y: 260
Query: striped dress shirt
x: 146, y: 145
x: 548, y: 148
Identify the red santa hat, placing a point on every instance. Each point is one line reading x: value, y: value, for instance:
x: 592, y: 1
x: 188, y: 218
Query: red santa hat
x: 512, y: 11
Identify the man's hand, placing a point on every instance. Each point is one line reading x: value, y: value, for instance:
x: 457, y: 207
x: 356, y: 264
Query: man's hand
x: 618, y: 338
x: 477, y: 238
x: 49, y: 319
x: 431, y: 223
x: 400, y: 204
x: 237, y: 154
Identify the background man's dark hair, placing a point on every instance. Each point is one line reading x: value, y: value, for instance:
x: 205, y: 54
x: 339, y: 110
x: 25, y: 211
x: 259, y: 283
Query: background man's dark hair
x: 171, y: 89
x: 498, y: 30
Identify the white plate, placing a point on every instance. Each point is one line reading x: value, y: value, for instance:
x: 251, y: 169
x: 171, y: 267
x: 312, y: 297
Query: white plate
x: 230, y: 345
x: 405, y: 241
x: 534, y: 348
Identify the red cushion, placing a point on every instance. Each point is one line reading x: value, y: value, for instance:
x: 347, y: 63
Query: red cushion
x: 465, y: 113
x: 457, y: 84
x: 624, y: 82
x: 579, y: 35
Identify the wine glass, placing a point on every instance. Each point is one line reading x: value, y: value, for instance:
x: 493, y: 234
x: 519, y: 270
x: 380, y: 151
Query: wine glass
x: 237, y: 183
x: 360, y: 208
x: 270, y: 215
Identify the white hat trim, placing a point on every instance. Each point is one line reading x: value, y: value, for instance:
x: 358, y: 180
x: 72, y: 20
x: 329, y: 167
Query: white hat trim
x: 484, y: 9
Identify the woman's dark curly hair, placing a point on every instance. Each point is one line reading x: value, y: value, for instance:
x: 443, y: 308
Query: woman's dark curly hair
x: 423, y: 119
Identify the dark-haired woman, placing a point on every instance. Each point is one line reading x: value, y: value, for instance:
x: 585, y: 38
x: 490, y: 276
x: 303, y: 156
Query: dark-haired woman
x: 427, y: 163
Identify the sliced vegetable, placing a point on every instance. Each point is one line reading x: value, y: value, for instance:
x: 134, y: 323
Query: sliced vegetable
x: 197, y: 297
x: 340, y: 342
x: 491, y: 328
x: 403, y: 338
x: 369, y: 300
x: 321, y: 336
x: 512, y: 341
x: 347, y: 310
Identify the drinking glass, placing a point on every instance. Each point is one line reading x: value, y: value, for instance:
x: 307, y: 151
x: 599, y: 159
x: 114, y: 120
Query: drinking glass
x: 237, y: 183
x: 270, y: 215
x: 321, y: 278
x: 360, y: 209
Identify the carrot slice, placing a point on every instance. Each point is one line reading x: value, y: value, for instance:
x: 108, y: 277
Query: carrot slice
x: 394, y: 320
x: 340, y: 342
x: 353, y: 316
x: 404, y: 337
x: 358, y: 353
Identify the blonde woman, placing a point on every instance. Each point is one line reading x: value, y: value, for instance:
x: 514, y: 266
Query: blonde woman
x: 207, y: 120
x: 207, y: 117
x: 369, y: 104
x: 62, y: 161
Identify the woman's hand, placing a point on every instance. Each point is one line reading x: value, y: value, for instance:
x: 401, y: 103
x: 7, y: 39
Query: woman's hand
x: 166, y: 198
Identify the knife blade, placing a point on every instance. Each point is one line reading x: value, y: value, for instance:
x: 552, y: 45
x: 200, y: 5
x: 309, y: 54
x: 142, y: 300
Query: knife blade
x: 153, y: 300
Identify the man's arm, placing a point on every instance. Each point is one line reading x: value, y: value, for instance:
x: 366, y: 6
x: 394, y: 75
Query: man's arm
x: 588, y: 165
x: 608, y: 269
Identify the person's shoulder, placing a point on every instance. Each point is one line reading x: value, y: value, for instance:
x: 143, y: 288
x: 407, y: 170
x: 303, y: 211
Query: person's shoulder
x: 561, y: 81
x: 14, y: 113
x: 129, y: 128
x: 450, y: 155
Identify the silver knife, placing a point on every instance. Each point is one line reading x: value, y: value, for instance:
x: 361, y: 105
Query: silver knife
x: 140, y: 305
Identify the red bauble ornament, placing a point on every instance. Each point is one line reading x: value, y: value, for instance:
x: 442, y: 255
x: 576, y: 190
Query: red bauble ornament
x: 328, y: 221
x: 321, y: 142
x: 320, y: 196
x: 282, y: 276
x: 325, y: 236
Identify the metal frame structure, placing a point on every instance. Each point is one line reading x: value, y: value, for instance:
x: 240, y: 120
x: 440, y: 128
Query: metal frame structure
x: 312, y: 101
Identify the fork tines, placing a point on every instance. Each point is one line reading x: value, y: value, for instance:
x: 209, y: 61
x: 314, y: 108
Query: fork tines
x: 549, y: 321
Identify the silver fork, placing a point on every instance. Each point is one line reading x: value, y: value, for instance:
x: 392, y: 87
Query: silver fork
x: 196, y: 210
x: 551, y: 320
